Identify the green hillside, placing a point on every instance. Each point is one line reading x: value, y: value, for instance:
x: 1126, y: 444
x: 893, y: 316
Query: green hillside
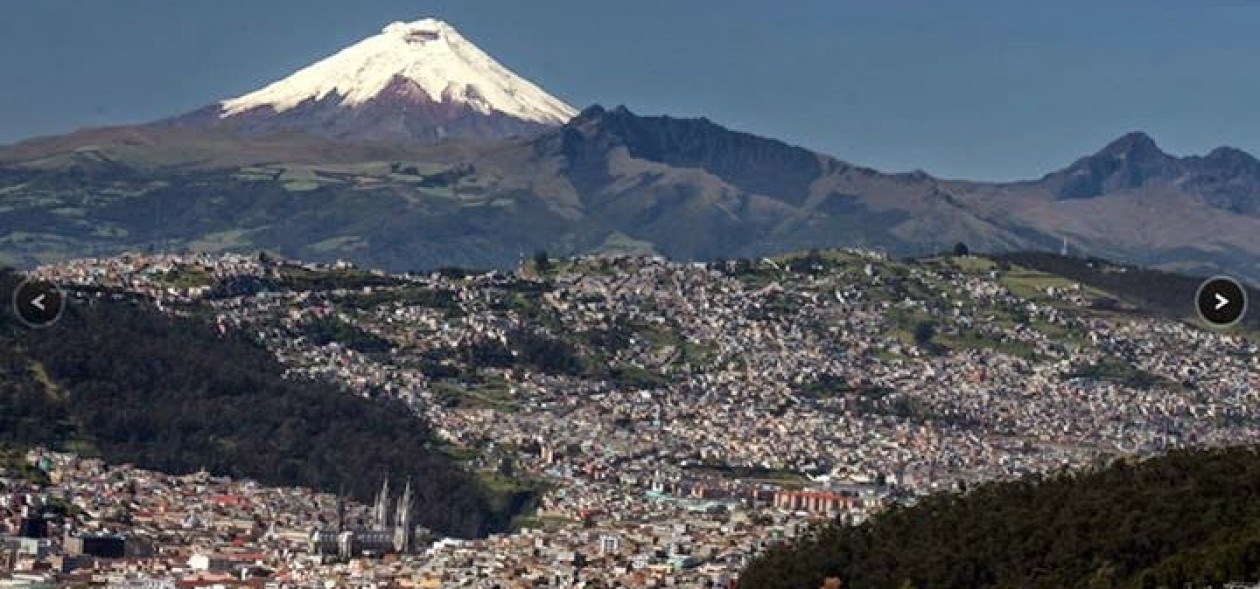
x: 1192, y: 517
x: 125, y: 382
x: 1167, y: 293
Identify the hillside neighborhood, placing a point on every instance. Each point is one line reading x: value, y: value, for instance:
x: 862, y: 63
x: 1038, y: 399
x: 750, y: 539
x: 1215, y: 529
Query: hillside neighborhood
x: 680, y: 417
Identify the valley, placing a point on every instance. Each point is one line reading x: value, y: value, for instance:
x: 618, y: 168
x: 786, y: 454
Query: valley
x: 670, y: 405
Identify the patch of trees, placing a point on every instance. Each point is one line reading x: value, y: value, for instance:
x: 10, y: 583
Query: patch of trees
x: 435, y: 365
x: 924, y: 334
x: 1118, y: 371
x: 866, y: 399
x: 542, y: 262
x: 545, y: 353
x: 523, y: 348
x: 325, y: 330
x: 443, y: 299
x: 175, y: 395
x: 1163, y: 292
x: 608, y: 340
x: 240, y: 286
x: 634, y: 377
x: 299, y: 278
x: 812, y: 263
x: 823, y: 385
x: 1186, y: 518
x: 13, y: 465
x: 588, y: 354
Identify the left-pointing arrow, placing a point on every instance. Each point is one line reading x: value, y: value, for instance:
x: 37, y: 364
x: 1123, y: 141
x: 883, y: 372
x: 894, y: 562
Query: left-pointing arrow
x: 37, y: 303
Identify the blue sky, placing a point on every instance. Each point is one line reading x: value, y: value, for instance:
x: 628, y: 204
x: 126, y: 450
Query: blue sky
x: 994, y: 89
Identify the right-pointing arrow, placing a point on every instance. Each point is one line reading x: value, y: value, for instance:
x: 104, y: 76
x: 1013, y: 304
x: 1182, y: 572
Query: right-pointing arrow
x: 1221, y: 301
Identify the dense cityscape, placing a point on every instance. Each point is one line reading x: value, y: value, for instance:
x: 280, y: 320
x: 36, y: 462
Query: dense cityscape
x: 678, y: 418
x: 491, y: 295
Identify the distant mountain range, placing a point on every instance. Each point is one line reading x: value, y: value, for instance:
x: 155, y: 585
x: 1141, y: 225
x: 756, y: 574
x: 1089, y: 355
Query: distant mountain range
x: 413, y: 149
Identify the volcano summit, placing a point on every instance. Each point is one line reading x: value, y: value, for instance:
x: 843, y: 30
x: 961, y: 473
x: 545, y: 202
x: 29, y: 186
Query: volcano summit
x: 413, y: 81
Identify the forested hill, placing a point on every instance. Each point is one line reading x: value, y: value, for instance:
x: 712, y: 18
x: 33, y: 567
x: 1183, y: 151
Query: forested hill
x: 1189, y: 517
x: 1167, y: 293
x: 122, y: 380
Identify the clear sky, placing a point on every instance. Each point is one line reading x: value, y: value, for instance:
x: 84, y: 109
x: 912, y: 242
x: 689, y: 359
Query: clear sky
x: 994, y: 89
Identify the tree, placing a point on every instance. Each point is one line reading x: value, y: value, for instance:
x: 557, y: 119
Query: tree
x: 961, y: 250
x: 810, y: 263
x: 181, y: 395
x: 1133, y: 524
x: 507, y: 468
x: 542, y: 262
x: 924, y: 331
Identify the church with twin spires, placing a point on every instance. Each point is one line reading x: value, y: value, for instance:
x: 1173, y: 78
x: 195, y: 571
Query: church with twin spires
x: 391, y: 529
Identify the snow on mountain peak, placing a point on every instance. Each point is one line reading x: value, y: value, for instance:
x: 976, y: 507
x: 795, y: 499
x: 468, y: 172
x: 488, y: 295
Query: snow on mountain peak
x: 430, y: 54
x: 419, y: 27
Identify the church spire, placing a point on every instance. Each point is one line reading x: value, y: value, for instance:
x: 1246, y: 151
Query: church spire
x: 403, y: 516
x: 341, y: 510
x: 404, y: 522
x: 380, y: 512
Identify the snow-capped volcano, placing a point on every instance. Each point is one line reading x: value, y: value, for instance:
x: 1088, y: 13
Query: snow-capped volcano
x: 418, y: 80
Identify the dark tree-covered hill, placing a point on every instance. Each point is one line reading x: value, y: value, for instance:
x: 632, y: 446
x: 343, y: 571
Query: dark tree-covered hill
x: 1168, y: 293
x: 120, y: 379
x: 1192, y: 517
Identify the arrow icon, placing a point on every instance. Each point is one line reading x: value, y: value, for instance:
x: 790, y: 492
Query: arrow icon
x: 1221, y: 301
x: 38, y: 304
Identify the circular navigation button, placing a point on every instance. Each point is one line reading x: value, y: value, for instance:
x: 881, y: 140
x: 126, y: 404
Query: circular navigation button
x: 38, y: 303
x: 1221, y: 301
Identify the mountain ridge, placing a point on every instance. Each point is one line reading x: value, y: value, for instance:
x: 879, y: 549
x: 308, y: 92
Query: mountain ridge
x: 1134, y: 159
x: 687, y: 188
